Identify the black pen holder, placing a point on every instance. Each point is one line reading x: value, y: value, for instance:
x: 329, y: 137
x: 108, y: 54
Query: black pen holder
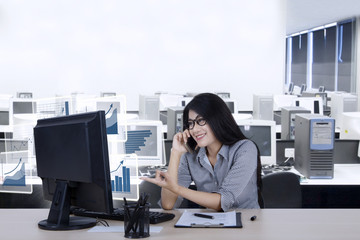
x: 136, y: 221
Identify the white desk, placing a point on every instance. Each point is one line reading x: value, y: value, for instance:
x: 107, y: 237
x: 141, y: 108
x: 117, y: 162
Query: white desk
x: 344, y: 174
x: 270, y: 224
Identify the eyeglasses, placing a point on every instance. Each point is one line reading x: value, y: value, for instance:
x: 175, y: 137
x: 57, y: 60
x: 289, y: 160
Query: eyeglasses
x: 200, y: 122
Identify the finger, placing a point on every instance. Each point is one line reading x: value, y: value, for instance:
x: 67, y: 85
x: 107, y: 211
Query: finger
x: 179, y: 136
x: 150, y: 180
x: 158, y: 174
x: 163, y: 174
x: 185, y: 137
x: 187, y: 133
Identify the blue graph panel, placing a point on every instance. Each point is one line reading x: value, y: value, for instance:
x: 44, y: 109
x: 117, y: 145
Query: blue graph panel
x: 17, y: 179
x: 122, y: 184
x: 112, y: 122
x: 15, y: 168
x: 136, y: 140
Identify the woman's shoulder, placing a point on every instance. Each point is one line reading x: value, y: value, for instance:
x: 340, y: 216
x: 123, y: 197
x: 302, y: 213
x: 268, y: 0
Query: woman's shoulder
x: 244, y: 144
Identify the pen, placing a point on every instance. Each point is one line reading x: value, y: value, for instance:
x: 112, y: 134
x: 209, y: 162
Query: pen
x: 203, y: 215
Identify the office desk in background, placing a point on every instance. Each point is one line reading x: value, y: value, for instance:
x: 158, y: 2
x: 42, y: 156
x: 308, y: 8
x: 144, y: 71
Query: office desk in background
x: 343, y: 191
x: 270, y: 224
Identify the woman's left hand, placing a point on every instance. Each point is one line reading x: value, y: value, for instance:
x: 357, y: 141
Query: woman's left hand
x: 162, y: 179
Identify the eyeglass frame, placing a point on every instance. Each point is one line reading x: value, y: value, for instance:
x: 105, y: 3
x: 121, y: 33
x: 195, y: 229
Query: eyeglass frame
x: 198, y: 121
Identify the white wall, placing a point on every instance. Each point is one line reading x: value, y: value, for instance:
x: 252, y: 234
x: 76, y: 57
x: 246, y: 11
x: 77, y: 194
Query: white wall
x: 141, y: 47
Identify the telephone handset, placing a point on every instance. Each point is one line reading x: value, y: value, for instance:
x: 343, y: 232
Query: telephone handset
x: 190, y: 145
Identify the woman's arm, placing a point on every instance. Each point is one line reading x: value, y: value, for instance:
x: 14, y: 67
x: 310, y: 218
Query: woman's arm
x: 205, y: 199
x: 171, y: 190
x: 168, y: 198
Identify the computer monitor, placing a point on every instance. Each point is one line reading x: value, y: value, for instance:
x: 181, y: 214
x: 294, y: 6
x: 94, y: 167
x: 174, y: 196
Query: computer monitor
x: 350, y: 127
x: 149, y: 107
x: 4, y: 110
x: 184, y: 101
x: 231, y: 103
x: 4, y: 117
x: 291, y: 88
x: 21, y: 110
x: 73, y: 163
x: 303, y: 88
x: 314, y: 104
x: 340, y: 103
x: 263, y: 107
x: 263, y: 133
x: 281, y: 100
x: 168, y: 100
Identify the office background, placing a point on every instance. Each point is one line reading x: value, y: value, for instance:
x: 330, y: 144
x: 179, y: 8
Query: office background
x: 142, y: 47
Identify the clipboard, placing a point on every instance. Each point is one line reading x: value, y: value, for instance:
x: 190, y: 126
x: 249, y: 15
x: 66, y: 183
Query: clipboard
x: 219, y: 220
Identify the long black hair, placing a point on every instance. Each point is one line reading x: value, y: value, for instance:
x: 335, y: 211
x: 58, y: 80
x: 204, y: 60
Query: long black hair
x: 217, y: 114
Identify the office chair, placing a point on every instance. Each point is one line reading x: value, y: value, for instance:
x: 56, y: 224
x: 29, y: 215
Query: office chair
x: 281, y: 190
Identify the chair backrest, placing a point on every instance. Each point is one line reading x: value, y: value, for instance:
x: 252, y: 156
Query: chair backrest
x: 281, y: 190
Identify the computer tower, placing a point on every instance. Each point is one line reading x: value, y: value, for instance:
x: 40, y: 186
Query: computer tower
x: 314, y: 145
x: 149, y: 107
x: 263, y: 107
x: 174, y: 121
x: 288, y: 121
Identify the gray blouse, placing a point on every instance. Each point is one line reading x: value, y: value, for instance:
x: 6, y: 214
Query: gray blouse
x: 233, y: 176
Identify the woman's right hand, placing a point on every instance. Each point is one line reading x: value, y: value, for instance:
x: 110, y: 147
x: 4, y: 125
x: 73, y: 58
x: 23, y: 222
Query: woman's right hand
x: 179, y: 141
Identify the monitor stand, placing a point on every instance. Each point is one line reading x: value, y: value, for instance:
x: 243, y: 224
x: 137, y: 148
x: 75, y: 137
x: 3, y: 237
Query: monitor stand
x: 59, y: 215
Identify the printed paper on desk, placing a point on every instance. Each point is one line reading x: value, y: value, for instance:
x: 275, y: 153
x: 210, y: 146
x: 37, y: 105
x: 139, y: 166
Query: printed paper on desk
x: 227, y: 219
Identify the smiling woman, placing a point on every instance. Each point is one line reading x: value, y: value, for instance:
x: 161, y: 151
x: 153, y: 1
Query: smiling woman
x: 223, y: 164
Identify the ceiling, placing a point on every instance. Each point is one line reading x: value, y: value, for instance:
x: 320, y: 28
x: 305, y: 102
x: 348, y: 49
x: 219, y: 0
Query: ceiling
x: 306, y: 14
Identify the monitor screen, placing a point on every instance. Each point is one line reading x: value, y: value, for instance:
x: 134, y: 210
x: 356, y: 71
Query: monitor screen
x: 291, y: 88
x: 263, y: 133
x: 73, y: 162
x: 4, y: 118
x: 303, y: 88
x: 20, y: 107
x: 21, y: 111
x: 231, y: 105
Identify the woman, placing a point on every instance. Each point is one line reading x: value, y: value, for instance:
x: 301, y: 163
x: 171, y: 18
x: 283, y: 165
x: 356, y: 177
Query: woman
x: 225, y: 166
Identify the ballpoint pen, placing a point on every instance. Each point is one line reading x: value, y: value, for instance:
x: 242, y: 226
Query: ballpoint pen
x: 203, y: 216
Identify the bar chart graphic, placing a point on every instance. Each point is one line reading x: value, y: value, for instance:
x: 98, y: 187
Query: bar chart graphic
x: 124, y: 176
x: 122, y: 184
x: 142, y: 141
x: 53, y: 107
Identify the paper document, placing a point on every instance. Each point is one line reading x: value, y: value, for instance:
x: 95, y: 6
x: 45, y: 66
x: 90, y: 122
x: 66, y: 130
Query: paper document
x: 226, y: 219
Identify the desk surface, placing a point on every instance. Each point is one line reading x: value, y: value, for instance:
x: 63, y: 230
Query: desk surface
x: 270, y: 224
x: 344, y: 174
